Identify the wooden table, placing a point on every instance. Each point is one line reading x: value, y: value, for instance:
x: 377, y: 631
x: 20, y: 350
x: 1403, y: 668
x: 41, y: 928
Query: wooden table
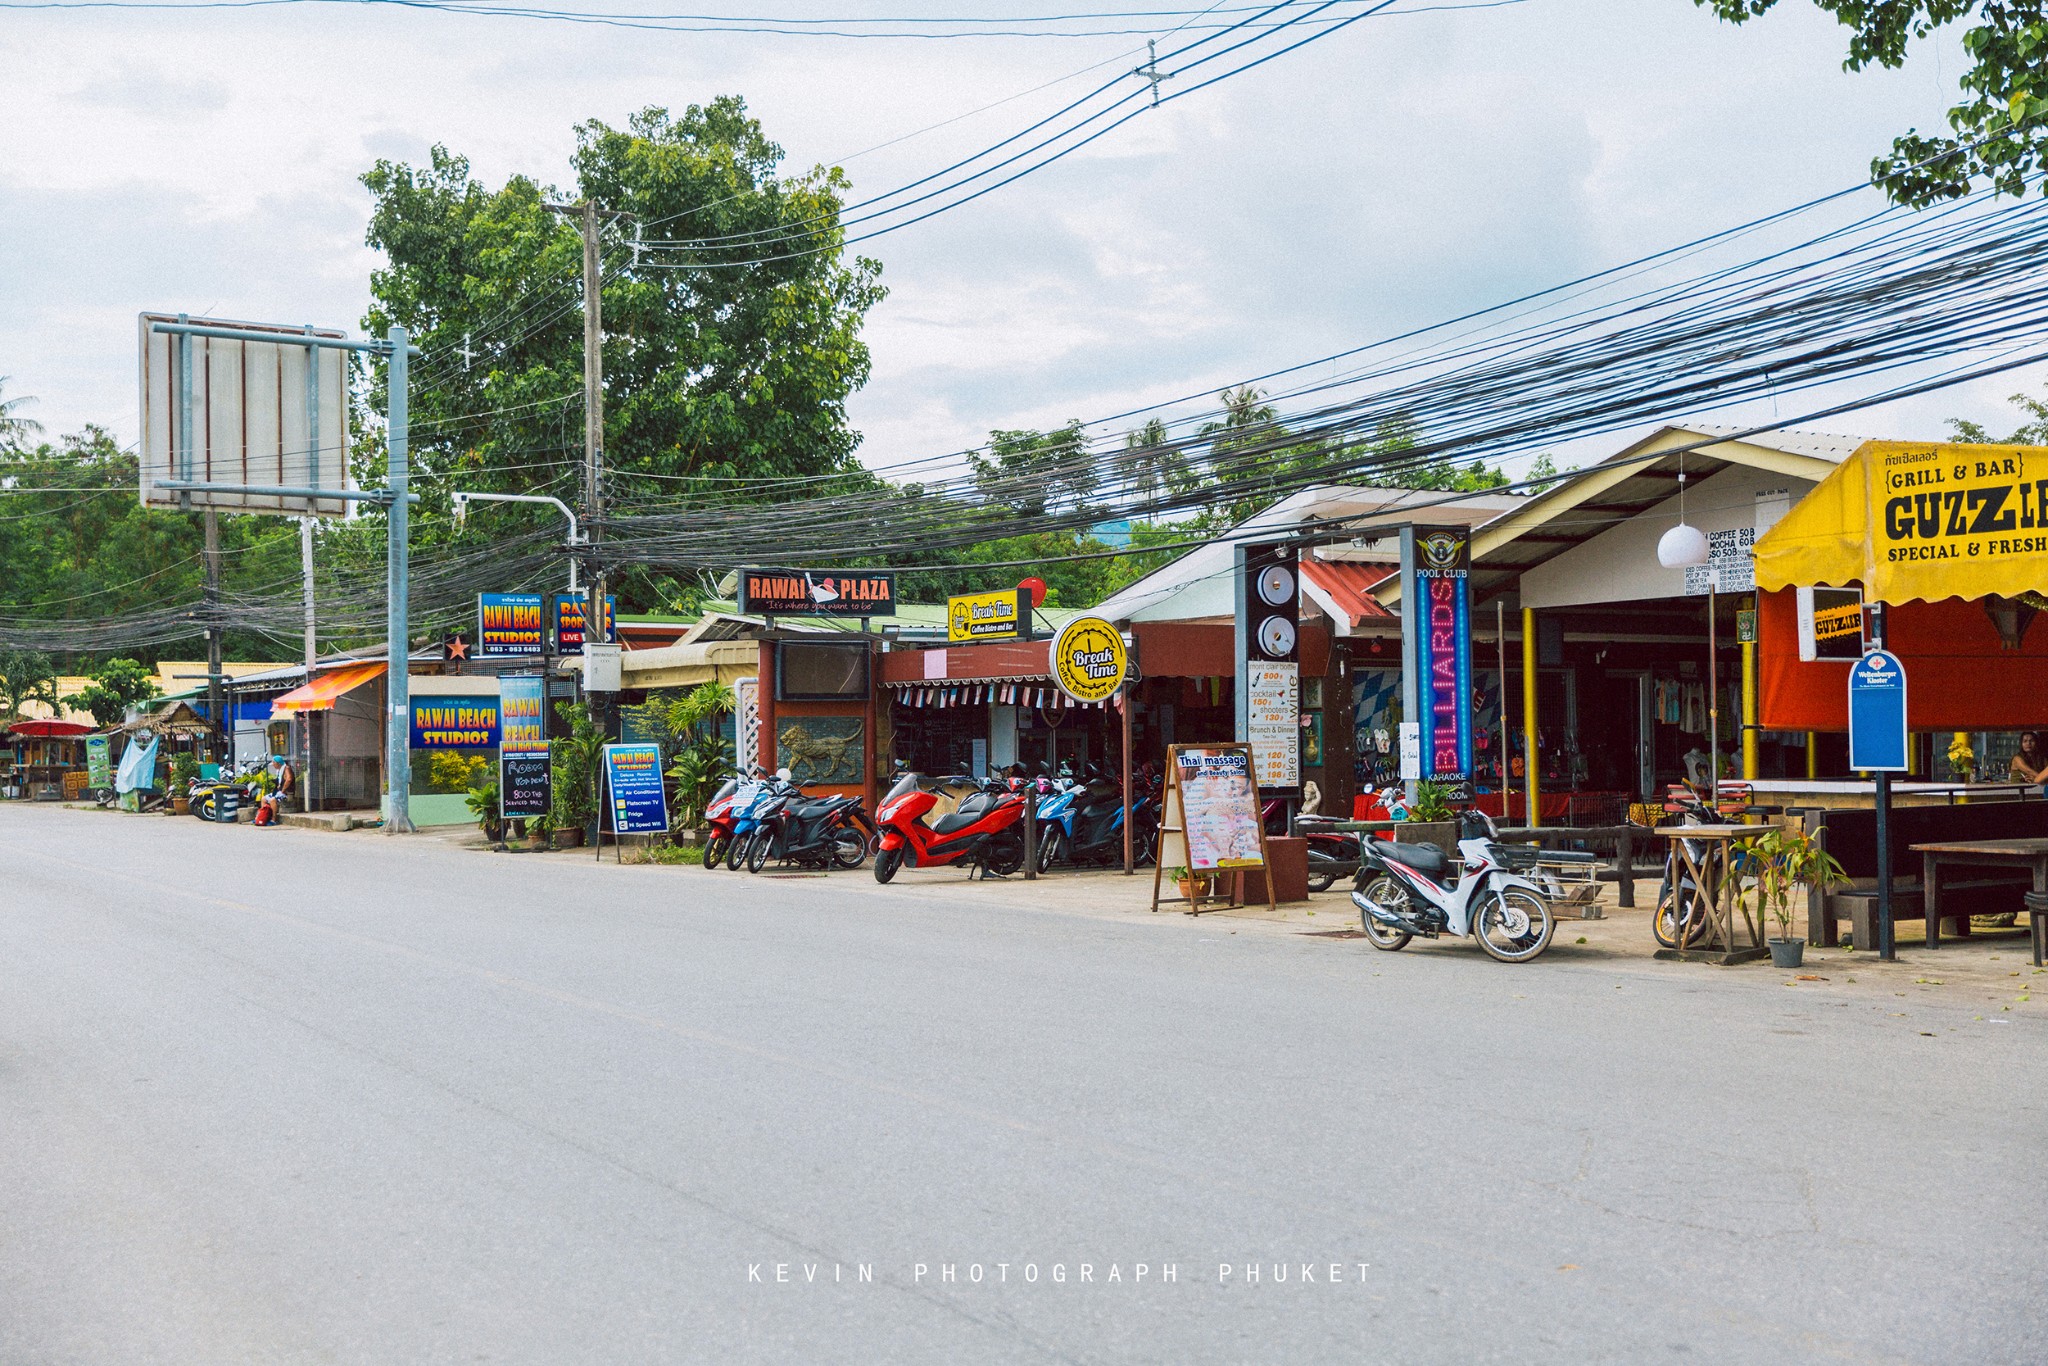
x: 2030, y: 854
x: 1713, y: 891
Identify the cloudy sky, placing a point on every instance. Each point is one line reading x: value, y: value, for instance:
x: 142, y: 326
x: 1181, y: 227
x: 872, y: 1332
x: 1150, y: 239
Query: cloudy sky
x: 1405, y: 170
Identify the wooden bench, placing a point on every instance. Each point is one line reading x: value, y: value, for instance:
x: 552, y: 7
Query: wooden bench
x: 1850, y: 835
x: 2037, y: 924
x: 1990, y: 895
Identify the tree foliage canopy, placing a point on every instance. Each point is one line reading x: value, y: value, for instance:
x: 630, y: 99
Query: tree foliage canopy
x: 1998, y: 133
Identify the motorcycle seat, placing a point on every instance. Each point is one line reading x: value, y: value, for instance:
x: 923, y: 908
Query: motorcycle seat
x: 1423, y: 858
x: 959, y: 820
x: 818, y: 807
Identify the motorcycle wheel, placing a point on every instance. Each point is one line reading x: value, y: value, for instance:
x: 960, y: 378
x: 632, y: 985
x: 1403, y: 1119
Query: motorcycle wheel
x: 1322, y: 872
x: 1144, y: 847
x: 736, y: 857
x: 1005, y: 852
x: 715, y: 850
x: 887, y: 861
x: 849, y: 847
x: 757, y: 852
x: 1514, y: 926
x: 1383, y: 892
x: 1052, y: 847
x: 1665, y: 928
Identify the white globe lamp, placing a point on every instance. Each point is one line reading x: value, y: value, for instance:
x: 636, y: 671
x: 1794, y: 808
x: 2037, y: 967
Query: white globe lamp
x: 1681, y: 546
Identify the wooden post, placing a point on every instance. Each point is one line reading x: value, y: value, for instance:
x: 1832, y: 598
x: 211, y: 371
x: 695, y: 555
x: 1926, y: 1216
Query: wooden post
x: 1130, y: 863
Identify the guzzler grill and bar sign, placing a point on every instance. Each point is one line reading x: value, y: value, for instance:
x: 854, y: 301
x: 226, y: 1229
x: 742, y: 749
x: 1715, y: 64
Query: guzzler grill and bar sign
x: 818, y: 592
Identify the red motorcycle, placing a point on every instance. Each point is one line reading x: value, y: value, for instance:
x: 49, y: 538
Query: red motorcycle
x: 987, y: 829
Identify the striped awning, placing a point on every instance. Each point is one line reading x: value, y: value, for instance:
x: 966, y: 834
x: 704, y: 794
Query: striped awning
x: 1015, y: 692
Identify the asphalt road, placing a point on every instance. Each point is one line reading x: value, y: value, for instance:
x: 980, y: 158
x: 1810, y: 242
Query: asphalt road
x: 297, y: 1097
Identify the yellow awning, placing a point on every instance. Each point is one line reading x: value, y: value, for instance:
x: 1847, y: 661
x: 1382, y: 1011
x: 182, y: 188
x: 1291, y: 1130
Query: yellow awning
x: 325, y: 689
x: 1918, y: 521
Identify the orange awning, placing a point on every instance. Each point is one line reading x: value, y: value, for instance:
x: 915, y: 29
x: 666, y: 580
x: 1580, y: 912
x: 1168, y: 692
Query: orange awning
x: 325, y: 689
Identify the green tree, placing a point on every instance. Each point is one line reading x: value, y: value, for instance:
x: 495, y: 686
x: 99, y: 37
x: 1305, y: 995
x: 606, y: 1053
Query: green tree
x: 2032, y: 432
x: 26, y: 676
x: 1032, y: 473
x: 116, y: 686
x: 1152, y: 465
x: 1997, y: 133
x: 731, y: 343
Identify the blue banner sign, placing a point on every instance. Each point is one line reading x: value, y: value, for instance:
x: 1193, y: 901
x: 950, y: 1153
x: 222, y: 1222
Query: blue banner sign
x: 569, y: 614
x: 454, y: 722
x: 1877, y: 713
x: 510, y: 624
x: 522, y: 705
x: 632, y: 774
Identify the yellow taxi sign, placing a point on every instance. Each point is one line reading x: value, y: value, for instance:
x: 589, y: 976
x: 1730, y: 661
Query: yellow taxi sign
x: 983, y: 616
x: 1089, y: 660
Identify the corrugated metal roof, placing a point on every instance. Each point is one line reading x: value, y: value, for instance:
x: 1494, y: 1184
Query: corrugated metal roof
x: 1821, y: 445
x: 1347, y: 585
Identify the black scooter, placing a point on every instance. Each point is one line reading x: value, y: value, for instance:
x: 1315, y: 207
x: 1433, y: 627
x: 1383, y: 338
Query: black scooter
x: 816, y: 832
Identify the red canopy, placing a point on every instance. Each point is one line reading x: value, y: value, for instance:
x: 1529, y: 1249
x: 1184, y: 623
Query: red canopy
x: 48, y: 730
x: 1958, y: 675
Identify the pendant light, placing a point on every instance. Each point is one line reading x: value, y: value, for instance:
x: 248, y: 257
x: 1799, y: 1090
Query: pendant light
x: 1684, y: 544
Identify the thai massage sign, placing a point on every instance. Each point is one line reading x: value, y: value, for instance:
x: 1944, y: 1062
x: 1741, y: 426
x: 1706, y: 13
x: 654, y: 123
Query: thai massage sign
x: 454, y: 722
x: 1918, y: 520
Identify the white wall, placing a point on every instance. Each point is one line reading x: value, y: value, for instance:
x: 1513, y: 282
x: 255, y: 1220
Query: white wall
x: 1620, y: 564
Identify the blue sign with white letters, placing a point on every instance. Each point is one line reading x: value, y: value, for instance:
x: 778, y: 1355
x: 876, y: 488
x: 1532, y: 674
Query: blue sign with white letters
x: 1877, y: 713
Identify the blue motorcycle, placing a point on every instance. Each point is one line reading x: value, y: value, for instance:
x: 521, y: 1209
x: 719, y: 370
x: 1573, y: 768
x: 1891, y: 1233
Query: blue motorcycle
x: 1082, y: 822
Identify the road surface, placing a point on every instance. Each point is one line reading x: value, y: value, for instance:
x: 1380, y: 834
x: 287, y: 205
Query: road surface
x: 284, y: 1096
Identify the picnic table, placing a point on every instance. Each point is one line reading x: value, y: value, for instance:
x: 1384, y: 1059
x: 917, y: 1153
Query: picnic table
x: 2028, y: 854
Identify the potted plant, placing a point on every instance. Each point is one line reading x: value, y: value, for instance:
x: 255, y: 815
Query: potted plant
x: 576, y: 758
x: 1781, y: 862
x: 540, y: 831
x: 1193, y: 886
x: 482, y: 801
x: 184, y: 768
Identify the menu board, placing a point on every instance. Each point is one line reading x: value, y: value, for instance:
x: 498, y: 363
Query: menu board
x: 1219, y: 806
x: 1273, y: 722
x: 633, y: 779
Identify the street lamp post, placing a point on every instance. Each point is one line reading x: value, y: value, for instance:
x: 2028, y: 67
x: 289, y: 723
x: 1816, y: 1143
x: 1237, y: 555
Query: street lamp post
x: 463, y: 500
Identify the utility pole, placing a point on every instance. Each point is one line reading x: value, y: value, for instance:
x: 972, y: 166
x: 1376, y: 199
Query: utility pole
x: 589, y: 218
x: 213, y: 689
x: 398, y: 650
x: 306, y: 721
x: 593, y: 433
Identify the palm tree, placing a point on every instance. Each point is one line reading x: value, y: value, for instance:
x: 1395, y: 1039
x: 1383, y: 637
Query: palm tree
x: 14, y: 429
x: 1153, y: 466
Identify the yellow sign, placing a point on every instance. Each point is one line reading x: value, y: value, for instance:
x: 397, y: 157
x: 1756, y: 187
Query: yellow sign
x: 1918, y: 520
x: 1088, y: 659
x: 982, y: 616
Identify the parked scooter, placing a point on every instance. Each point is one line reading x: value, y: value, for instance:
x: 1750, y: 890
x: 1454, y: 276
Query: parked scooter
x: 1331, y: 853
x: 750, y: 821
x: 1083, y: 822
x: 817, y: 832
x: 722, y: 814
x: 986, y: 830
x: 223, y: 799
x: 1403, y: 890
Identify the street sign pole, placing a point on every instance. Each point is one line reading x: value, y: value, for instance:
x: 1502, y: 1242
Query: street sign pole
x: 398, y: 821
x: 1879, y: 743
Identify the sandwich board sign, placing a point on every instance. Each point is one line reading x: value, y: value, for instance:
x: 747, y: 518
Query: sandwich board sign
x: 254, y: 414
x: 1877, y: 714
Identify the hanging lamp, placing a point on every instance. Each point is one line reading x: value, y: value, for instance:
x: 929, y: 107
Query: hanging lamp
x: 1684, y: 545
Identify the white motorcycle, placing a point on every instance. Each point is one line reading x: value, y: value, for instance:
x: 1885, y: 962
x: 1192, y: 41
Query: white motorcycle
x: 1403, y: 890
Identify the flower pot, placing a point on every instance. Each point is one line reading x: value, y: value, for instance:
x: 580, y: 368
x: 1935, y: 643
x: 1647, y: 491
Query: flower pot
x: 569, y: 837
x: 1788, y: 953
x: 181, y: 806
x: 1193, y: 889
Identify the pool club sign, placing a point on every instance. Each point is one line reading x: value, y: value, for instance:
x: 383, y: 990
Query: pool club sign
x: 1089, y: 660
x: 1436, y: 629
